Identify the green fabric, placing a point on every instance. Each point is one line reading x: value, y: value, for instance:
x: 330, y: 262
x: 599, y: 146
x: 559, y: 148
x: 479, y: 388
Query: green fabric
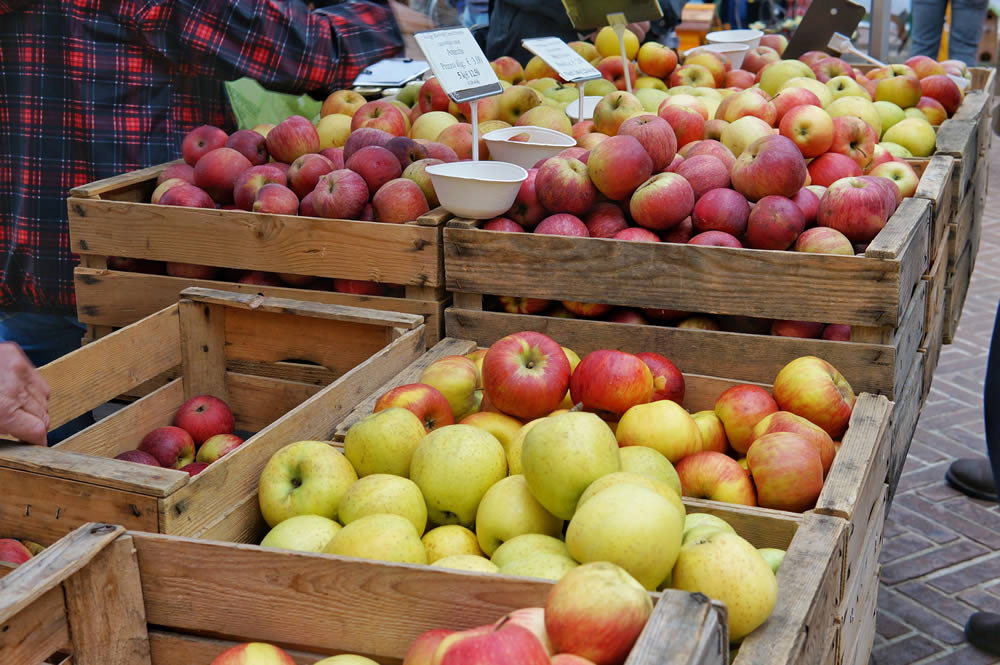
x: 253, y: 105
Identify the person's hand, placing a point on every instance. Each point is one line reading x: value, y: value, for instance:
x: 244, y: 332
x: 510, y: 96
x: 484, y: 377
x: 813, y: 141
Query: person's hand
x: 24, y: 396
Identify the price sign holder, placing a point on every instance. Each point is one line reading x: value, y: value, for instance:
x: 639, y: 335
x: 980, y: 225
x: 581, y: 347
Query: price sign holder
x: 462, y: 68
x: 620, y: 25
x: 570, y: 65
x: 592, y: 14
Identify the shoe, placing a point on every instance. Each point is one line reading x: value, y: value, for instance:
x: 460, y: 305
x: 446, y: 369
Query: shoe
x: 983, y: 632
x: 973, y: 477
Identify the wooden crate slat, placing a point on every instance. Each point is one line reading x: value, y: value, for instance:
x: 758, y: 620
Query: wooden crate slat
x: 92, y: 375
x: 762, y: 527
x: 263, y: 400
x: 844, y: 289
x: 409, y: 254
x: 935, y: 185
x: 868, y: 367
x: 959, y: 139
x: 169, y: 648
x: 908, y: 336
x: 105, y: 610
x: 905, y: 415
x: 702, y: 623
x: 142, y: 176
x: 196, y: 506
x: 858, y: 608
x: 37, y: 632
x: 124, y: 429
x: 203, y: 349
x: 955, y: 293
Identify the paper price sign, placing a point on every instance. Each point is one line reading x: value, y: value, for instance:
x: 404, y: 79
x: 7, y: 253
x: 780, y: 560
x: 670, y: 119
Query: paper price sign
x: 569, y: 64
x: 459, y: 64
x: 591, y: 14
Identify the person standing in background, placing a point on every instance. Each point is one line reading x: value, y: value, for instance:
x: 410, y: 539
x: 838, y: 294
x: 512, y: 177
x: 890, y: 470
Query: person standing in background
x: 89, y: 90
x: 966, y: 28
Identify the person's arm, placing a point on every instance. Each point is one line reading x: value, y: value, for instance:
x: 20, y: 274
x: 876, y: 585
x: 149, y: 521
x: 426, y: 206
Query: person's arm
x: 281, y: 44
x: 24, y: 396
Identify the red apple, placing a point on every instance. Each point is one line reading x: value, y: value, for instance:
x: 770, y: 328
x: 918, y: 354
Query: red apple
x: 406, y: 150
x: 194, y: 468
x: 771, y: 165
x: 260, y: 278
x: 829, y: 68
x: 740, y: 408
x: 399, y: 201
x: 933, y: 110
x: 784, y: 421
x: 250, y: 144
x: 253, y: 653
x: 432, y: 96
x: 340, y: 194
x: 694, y: 74
x: 681, y: 233
x: 217, y: 170
x: 217, y: 446
x: 941, y: 88
x: 527, y: 211
x: 612, y: 69
x: 190, y: 270
x: 172, y: 447
x: 854, y: 207
x: 662, y: 202
x: 250, y: 181
x: 335, y: 155
x: 605, y: 220
x: 808, y: 203
x: 166, y: 186
x: 13, y: 551
x: 715, y: 239
x: 924, y: 66
x: 515, y: 305
x: 564, y: 185
x: 656, y: 60
x: 562, y: 224
x: 855, y: 138
x: 138, y: 456
x: 687, y: 123
x: 636, y: 234
x: 507, y: 644
x: 530, y: 618
x: 588, y: 310
x: 377, y: 165
x: 276, y: 199
x: 774, y: 223
x: 422, y: 649
x: 342, y: 101
x: 305, y: 171
x: 787, y: 471
x: 790, y: 98
x: 757, y: 58
x: 802, y: 329
x: 812, y: 57
x: 306, y: 207
x: 838, y: 332
x: 713, y: 475
x: 378, y: 114
x: 776, y: 41
x: 525, y: 375
x: 363, y: 137
x: 704, y: 173
x: 656, y: 136
x: 721, y: 210
x: 357, y: 287
x: 830, y: 167
x: 740, y: 79
x: 812, y: 388
x: 503, y: 224
x: 609, y: 381
x: 200, y: 141
x: 204, y: 416
x: 184, y: 172
x: 292, y: 137
x: 619, y: 165
x: 630, y: 316
x: 823, y: 240
x: 753, y: 102
x: 715, y: 149
x: 426, y: 402
x: 713, y: 434
x: 810, y: 128
x: 668, y: 381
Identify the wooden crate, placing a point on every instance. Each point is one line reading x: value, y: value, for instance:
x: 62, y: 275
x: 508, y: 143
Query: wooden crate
x: 159, y: 604
x: 112, y: 217
x: 858, y: 609
x: 930, y: 345
x: 853, y: 485
x: 905, y: 414
x: 936, y: 186
x: 964, y: 235
x: 50, y: 491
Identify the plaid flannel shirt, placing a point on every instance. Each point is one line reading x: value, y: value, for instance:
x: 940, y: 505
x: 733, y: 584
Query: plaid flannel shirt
x: 90, y: 89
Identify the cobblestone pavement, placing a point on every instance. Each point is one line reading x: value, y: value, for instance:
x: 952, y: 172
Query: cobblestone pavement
x: 941, y: 554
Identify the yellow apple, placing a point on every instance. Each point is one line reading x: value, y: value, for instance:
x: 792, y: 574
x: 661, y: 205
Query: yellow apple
x: 649, y: 462
x: 607, y: 43
x: 384, y: 493
x: 773, y: 556
x: 384, y: 441
x: 574, y: 360
x: 527, y: 545
x: 346, y: 659
x: 450, y: 540
x: 650, y: 82
x: 662, y: 425
x: 469, y: 562
x: 516, y: 446
x: 507, y: 510
x: 333, y: 130
x: 302, y: 533
x: 915, y: 135
x: 655, y: 484
x: 543, y: 565
x: 821, y: 91
x: 775, y: 74
x: 694, y: 520
x: 500, y: 425
x: 382, y: 537
x: 456, y: 377
x: 859, y: 108
x: 304, y: 478
x: 713, y: 433
x: 429, y: 125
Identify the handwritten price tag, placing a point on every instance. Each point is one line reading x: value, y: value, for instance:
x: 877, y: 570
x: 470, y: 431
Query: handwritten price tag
x: 569, y: 64
x: 459, y: 64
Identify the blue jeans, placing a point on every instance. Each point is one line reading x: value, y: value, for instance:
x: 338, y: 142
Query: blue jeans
x: 991, y: 401
x: 967, y: 17
x: 469, y: 19
x: 43, y: 338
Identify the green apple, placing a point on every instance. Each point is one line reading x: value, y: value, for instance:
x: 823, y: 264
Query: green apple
x: 694, y: 520
x: 449, y: 540
x: 914, y: 112
x: 775, y: 74
x: 699, y: 531
x: 384, y: 442
x: 526, y: 545
x: 845, y: 86
x: 543, y: 565
x: 649, y: 462
x: 470, y: 562
x: 561, y: 93
x: 563, y: 454
x: 651, y: 98
x: 725, y: 567
x: 541, y: 84
x: 773, y: 556
x: 408, y: 95
x: 304, y: 478
x: 859, y: 108
x: 507, y: 510
x: 889, y: 114
x: 454, y: 466
x: 382, y: 537
x: 631, y: 526
x: 384, y: 493
x: 896, y: 150
x: 915, y: 135
x: 599, y: 87
x: 302, y: 533
x: 822, y: 92
x: 655, y: 484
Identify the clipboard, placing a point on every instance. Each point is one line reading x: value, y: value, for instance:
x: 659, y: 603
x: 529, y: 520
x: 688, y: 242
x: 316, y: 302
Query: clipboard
x: 821, y: 20
x: 391, y: 73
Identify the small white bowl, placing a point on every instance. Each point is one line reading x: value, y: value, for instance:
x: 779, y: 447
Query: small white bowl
x: 732, y: 51
x: 749, y: 37
x: 589, y: 104
x: 477, y: 190
x: 542, y: 144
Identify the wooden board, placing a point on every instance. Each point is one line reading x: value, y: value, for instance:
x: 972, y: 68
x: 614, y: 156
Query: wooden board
x: 936, y: 186
x: 856, y: 616
x: 930, y: 345
x: 870, y: 290
x: 954, y: 295
x: 904, y: 424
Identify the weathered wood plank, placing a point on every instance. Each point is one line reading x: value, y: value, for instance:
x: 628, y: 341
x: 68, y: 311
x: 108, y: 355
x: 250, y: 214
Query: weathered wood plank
x: 203, y: 349
x: 37, y: 632
x: 935, y: 185
x: 258, y: 401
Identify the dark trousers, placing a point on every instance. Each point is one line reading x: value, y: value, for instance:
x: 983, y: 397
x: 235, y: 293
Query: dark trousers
x: 991, y: 401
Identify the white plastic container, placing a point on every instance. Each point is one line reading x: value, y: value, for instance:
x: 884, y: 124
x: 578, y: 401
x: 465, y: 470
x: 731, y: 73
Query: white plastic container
x: 734, y: 53
x: 749, y: 37
x: 589, y: 104
x: 542, y: 144
x: 477, y: 190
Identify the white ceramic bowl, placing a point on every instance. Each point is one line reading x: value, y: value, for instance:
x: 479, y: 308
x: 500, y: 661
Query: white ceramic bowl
x: 589, y: 104
x: 477, y: 190
x: 749, y: 37
x: 542, y: 144
x: 732, y: 51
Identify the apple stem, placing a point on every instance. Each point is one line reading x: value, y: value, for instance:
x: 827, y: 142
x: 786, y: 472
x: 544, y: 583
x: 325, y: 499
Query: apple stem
x: 501, y: 622
x: 577, y: 407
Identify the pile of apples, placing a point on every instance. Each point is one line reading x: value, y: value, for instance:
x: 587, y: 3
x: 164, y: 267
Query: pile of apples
x: 202, y: 433
x: 17, y: 551
x: 592, y: 616
x: 525, y: 459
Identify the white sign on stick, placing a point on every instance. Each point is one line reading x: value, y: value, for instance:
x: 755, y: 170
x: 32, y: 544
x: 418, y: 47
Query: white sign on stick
x: 459, y: 64
x: 556, y: 53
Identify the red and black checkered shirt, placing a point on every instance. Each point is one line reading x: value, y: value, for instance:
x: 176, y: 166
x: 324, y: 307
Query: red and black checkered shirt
x: 90, y: 89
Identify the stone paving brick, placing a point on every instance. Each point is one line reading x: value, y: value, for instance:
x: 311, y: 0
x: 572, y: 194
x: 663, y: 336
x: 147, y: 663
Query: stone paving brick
x: 982, y: 601
x: 903, y: 545
x: 936, y: 601
x: 928, y: 623
x: 965, y: 656
x: 920, y: 524
x: 905, y: 652
x: 889, y: 628
x: 983, y: 570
